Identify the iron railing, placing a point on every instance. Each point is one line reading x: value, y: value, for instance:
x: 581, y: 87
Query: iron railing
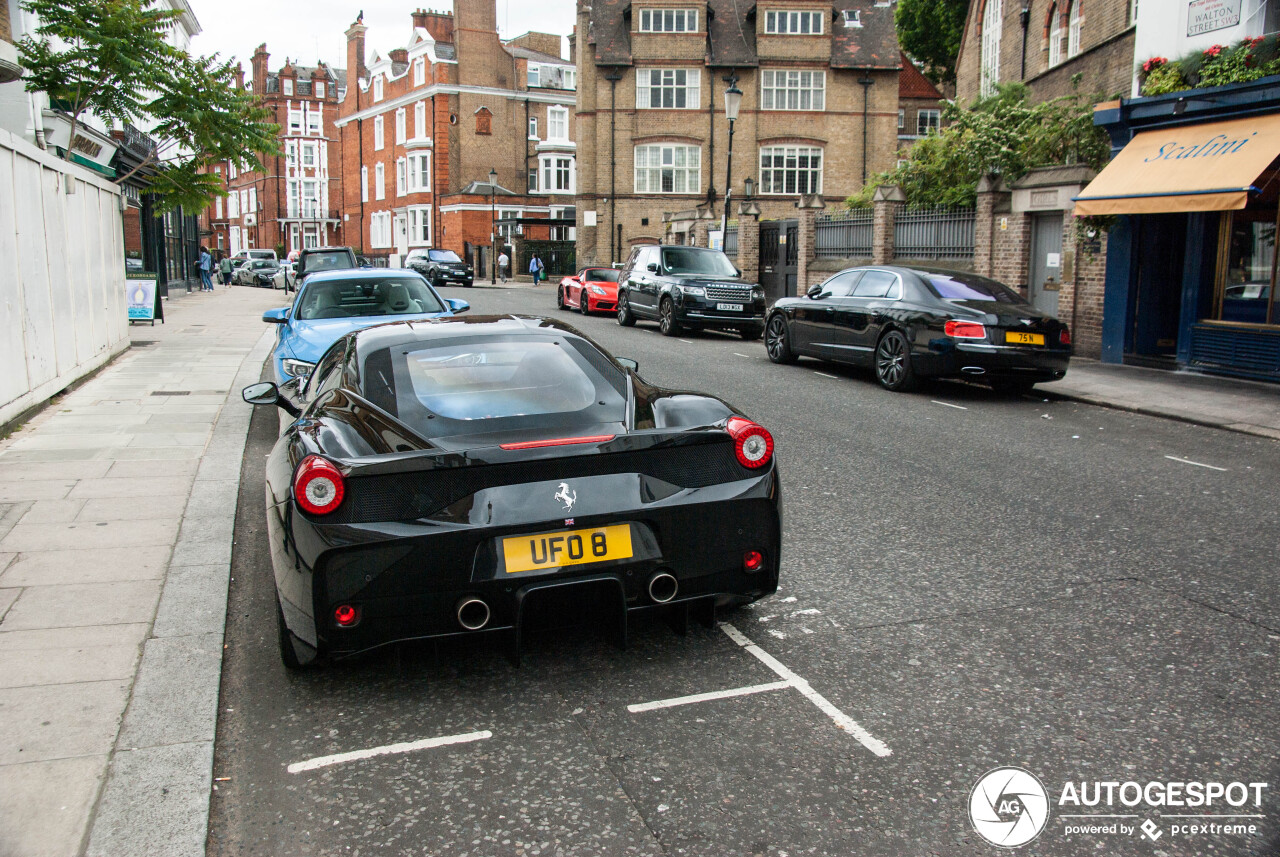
x: 934, y: 233
x: 846, y: 235
x: 731, y: 242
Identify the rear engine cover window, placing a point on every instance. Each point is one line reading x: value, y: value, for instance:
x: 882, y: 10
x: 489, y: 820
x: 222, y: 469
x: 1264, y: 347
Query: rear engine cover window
x: 499, y: 379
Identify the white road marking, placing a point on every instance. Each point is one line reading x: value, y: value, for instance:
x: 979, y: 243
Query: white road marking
x: 842, y: 720
x: 736, y: 354
x: 707, y: 697
x: 949, y: 405
x: 687, y: 341
x: 1196, y: 463
x: 825, y: 375
x: 390, y: 749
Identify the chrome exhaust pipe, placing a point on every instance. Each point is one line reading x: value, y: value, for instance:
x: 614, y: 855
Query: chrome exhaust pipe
x: 974, y: 370
x: 663, y: 587
x: 473, y: 614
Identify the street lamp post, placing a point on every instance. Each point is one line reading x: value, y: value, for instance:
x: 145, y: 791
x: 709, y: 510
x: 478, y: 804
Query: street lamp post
x: 493, y: 227
x: 732, y: 101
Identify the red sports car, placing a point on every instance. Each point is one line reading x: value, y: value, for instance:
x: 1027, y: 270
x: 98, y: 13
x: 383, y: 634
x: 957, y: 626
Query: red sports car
x: 590, y: 290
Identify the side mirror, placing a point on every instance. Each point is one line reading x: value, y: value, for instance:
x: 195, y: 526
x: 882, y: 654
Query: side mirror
x: 815, y: 292
x: 276, y: 316
x: 628, y: 363
x: 458, y: 305
x: 653, y: 266
x: 267, y: 393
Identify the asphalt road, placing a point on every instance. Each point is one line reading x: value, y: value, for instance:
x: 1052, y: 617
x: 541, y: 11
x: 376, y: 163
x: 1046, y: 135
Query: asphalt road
x: 976, y: 581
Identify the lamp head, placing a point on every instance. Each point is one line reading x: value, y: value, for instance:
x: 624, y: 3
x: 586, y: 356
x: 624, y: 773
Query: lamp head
x: 750, y: 185
x: 493, y: 177
x: 732, y: 101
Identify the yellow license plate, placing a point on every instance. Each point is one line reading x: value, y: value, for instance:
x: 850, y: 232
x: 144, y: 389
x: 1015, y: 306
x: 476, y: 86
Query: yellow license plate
x: 1017, y: 337
x: 567, y: 547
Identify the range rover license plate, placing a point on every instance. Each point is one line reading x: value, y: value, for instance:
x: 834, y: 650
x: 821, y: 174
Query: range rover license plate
x: 729, y: 307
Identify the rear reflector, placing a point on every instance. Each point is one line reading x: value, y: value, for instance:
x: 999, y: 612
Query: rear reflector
x: 318, y: 486
x: 1065, y: 336
x: 346, y: 615
x: 965, y: 330
x: 559, y: 441
x: 751, y: 443
x: 752, y: 560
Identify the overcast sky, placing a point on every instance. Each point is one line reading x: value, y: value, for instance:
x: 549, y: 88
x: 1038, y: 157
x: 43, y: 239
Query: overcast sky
x: 311, y: 30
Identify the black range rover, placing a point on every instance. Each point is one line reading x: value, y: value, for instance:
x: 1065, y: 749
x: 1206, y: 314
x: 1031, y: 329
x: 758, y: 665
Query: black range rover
x: 441, y: 267
x: 688, y: 287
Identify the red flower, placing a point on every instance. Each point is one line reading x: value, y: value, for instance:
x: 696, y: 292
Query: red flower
x: 1213, y: 51
x: 1153, y: 64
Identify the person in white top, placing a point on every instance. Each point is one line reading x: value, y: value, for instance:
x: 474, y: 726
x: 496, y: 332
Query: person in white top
x: 503, y: 261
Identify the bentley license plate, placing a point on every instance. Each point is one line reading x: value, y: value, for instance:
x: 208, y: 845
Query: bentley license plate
x: 566, y: 547
x: 1017, y: 337
x: 729, y: 307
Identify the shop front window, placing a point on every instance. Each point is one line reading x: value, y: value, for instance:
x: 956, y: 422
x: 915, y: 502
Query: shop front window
x: 1247, y: 294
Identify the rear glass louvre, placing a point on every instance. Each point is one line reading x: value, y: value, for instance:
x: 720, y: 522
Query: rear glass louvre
x: 408, y: 496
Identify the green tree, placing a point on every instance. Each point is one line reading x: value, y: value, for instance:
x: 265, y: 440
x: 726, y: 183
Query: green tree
x: 999, y: 135
x: 110, y: 59
x: 930, y: 31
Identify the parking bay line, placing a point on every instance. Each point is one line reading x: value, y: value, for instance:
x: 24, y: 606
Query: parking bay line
x: 388, y: 750
x: 789, y: 679
x: 825, y: 375
x: 949, y: 405
x: 1196, y: 463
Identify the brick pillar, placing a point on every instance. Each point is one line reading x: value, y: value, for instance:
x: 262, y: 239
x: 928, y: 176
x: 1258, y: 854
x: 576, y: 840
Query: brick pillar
x: 992, y: 204
x: 885, y: 204
x: 749, y: 246
x: 698, y: 235
x: 810, y: 206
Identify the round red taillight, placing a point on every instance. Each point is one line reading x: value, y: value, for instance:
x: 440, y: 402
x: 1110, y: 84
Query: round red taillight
x: 965, y: 330
x: 318, y: 485
x: 346, y: 615
x: 752, y: 560
x: 751, y: 443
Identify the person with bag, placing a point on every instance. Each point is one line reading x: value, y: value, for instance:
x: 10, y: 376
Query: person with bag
x: 206, y: 269
x: 536, y: 268
x: 224, y: 268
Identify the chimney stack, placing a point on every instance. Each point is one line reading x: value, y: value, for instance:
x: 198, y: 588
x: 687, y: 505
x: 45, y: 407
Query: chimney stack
x: 355, y: 53
x: 438, y: 24
x: 259, y: 64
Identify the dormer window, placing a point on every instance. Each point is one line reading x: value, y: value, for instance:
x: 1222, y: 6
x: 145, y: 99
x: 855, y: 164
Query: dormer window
x: 853, y: 17
x: 419, y: 71
x: 793, y: 23
x: 377, y: 88
x: 319, y: 89
x: 287, y: 83
x: 668, y: 20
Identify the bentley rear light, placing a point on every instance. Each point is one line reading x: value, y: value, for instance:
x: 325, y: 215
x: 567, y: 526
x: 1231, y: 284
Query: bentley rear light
x: 346, y: 616
x: 752, y: 561
x: 751, y: 443
x: 1065, y: 336
x: 965, y: 330
x: 318, y: 486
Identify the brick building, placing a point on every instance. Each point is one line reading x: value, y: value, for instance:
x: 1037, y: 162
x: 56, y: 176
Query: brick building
x: 295, y: 202
x: 1045, y: 45
x: 920, y: 106
x: 818, y: 113
x: 422, y: 127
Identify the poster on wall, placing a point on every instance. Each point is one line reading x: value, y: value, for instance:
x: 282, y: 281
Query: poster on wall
x: 142, y: 298
x: 1205, y: 16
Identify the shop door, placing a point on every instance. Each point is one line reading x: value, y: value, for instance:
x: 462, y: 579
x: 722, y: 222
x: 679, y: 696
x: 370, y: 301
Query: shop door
x: 1046, y: 261
x: 779, y: 245
x: 1161, y: 245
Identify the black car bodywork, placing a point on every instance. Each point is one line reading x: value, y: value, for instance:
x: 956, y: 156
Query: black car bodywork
x: 258, y: 272
x: 433, y: 502
x: 688, y: 287
x: 313, y: 260
x: 442, y: 268
x: 909, y: 323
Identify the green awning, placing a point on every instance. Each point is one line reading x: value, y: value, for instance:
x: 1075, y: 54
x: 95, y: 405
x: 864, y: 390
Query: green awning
x: 108, y: 172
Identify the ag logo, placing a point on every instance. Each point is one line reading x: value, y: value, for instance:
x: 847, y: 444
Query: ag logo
x: 1008, y: 807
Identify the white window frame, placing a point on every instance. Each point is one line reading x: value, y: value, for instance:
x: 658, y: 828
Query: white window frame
x: 419, y: 172
x: 1073, y: 30
x: 295, y: 205
x: 667, y: 21
x: 315, y: 121
x: 402, y: 183
x: 379, y: 133
x: 420, y: 120
x: 402, y: 122
x: 558, y: 173
x: 253, y: 199
x: 379, y: 181
x: 364, y: 184
x: 557, y: 124
x: 419, y: 71
x: 309, y: 154
x: 377, y: 87
x: 286, y: 86
x: 1055, y: 36
x: 233, y: 206
x: 923, y: 123
x: 533, y: 76
x: 654, y: 160
x: 799, y: 90
x: 666, y: 82
x: 992, y: 27
x: 217, y: 208
x: 318, y: 87
x: 785, y: 179
x: 310, y: 198
x: 533, y: 128
x: 295, y: 122
x: 794, y: 23
x: 380, y: 230
x: 902, y: 118
x: 418, y: 226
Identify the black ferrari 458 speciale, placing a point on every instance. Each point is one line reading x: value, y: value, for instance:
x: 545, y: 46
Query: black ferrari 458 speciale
x: 441, y: 476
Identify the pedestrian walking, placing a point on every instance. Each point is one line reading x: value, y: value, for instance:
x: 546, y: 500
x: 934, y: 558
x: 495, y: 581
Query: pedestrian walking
x: 224, y: 267
x: 503, y: 262
x: 206, y: 269
x: 536, y: 268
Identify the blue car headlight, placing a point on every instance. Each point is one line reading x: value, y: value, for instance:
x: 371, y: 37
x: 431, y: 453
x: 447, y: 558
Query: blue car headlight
x: 296, y: 368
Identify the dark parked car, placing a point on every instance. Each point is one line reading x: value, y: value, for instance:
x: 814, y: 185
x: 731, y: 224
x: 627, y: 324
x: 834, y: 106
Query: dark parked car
x: 441, y: 267
x: 445, y: 475
x: 315, y: 259
x: 257, y: 272
x: 910, y: 323
x: 690, y: 287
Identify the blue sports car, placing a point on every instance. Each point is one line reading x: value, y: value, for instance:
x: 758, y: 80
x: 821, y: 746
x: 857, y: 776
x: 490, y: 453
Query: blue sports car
x: 332, y: 304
